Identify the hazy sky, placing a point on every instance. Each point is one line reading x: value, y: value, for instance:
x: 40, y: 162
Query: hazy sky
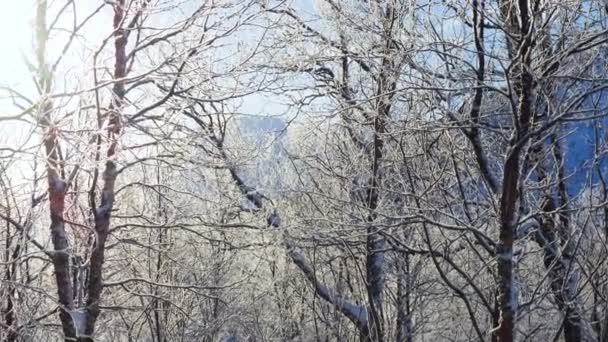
x: 15, y: 38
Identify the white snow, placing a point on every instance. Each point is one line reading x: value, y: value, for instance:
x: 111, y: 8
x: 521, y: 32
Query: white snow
x: 79, y: 317
x: 353, y: 311
x: 514, y: 298
x: 505, y: 256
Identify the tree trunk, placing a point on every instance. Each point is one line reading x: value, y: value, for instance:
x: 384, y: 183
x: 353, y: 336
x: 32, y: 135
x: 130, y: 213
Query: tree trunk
x: 519, y: 23
x: 103, y: 213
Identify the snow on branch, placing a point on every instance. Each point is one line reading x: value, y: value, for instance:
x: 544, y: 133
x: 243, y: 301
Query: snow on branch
x: 356, y: 313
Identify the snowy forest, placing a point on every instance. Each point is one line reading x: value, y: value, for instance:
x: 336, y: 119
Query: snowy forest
x: 304, y: 170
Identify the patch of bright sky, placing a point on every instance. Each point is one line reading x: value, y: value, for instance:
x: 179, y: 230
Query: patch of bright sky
x: 15, y: 37
x: 17, y: 41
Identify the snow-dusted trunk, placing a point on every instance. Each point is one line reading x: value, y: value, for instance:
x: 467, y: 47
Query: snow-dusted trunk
x: 374, y: 265
x: 9, y: 332
x: 563, y: 275
x: 554, y: 235
x: 404, y: 327
x: 61, y: 256
x: 79, y: 323
x: 375, y: 282
x: 519, y: 22
x: 375, y: 244
x: 555, y: 238
x: 355, y: 313
x: 103, y: 213
x: 507, y: 301
x: 56, y: 185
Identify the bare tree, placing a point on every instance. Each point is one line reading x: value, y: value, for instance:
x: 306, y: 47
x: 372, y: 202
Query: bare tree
x: 296, y: 171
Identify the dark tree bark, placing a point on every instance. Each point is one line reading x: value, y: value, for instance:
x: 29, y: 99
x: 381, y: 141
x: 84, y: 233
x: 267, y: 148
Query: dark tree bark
x: 56, y: 185
x: 103, y: 213
x: 519, y: 23
x: 79, y: 323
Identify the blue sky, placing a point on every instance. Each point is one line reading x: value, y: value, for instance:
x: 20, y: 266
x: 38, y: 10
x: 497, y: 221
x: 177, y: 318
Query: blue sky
x: 16, y: 21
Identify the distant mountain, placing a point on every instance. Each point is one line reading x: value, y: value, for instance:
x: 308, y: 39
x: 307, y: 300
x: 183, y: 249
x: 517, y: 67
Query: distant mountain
x: 264, y: 124
x: 267, y: 135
